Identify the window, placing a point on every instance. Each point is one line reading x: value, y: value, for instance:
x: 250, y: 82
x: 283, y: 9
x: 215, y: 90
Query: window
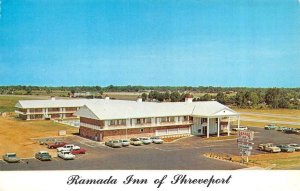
x: 164, y: 119
x: 203, y: 120
x: 186, y: 118
x: 171, y: 119
x: 138, y: 121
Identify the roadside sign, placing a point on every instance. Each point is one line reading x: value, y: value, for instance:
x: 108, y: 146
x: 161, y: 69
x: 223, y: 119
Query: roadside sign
x: 247, y: 135
x: 246, y: 141
x: 244, y: 144
x: 248, y: 153
x: 245, y: 147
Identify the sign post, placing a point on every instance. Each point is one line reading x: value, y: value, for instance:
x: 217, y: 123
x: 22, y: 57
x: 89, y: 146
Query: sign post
x: 244, y: 143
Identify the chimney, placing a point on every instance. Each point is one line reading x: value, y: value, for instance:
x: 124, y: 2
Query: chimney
x: 139, y: 100
x: 106, y: 98
x: 189, y: 98
x: 53, y: 98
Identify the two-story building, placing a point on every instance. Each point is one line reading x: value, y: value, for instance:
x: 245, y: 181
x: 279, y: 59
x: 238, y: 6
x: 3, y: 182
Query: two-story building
x: 49, y: 109
x: 114, y: 119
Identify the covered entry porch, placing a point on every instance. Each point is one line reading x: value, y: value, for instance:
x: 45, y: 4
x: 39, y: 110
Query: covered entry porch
x: 215, y: 124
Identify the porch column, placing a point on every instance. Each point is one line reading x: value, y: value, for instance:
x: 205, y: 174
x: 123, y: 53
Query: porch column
x: 218, y: 126
x: 207, y: 129
x: 238, y: 121
x: 228, y: 126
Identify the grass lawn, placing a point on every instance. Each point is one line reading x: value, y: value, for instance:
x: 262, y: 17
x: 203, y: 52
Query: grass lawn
x: 8, y: 102
x: 277, y: 160
x: 16, y: 135
x: 289, y: 112
x: 286, y: 115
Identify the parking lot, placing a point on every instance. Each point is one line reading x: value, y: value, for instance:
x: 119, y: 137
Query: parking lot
x: 184, y: 154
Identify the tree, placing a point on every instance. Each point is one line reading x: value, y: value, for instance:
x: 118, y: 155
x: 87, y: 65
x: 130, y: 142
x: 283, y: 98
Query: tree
x: 283, y: 102
x: 206, y: 97
x: 167, y: 96
x: 272, y: 97
x: 175, y: 97
x: 160, y: 97
x: 221, y: 97
x: 144, y: 96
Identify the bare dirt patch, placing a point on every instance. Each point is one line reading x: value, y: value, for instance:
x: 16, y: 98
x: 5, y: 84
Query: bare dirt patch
x: 17, y: 135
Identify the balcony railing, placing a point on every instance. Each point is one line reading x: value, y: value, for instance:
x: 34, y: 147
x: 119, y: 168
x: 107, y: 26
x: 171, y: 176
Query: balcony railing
x: 162, y: 124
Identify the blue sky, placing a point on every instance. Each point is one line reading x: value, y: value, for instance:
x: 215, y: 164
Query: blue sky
x: 252, y: 43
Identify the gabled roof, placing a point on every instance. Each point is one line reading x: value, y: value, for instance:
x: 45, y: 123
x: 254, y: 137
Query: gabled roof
x: 53, y: 103
x: 113, y: 109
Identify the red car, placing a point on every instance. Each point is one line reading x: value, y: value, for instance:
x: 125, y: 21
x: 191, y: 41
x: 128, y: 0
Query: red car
x: 56, y: 145
x: 77, y: 150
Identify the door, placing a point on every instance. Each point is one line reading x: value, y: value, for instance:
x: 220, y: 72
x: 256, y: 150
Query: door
x: 204, y: 130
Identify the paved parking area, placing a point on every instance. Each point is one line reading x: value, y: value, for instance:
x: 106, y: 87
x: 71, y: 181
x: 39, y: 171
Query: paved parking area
x: 185, y: 154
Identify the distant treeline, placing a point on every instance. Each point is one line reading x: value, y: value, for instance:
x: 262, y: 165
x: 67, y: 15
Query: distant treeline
x: 111, y: 88
x: 237, y: 96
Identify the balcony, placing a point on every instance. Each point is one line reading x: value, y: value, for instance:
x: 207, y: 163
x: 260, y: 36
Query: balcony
x: 145, y: 125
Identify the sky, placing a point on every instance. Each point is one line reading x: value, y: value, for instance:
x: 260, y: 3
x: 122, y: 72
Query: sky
x: 254, y: 43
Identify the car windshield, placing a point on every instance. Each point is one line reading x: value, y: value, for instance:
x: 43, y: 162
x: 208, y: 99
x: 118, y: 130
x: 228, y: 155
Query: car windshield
x: 11, y: 155
x: 115, y: 141
x: 124, y: 140
x: 66, y: 153
x: 44, y: 153
x: 134, y: 139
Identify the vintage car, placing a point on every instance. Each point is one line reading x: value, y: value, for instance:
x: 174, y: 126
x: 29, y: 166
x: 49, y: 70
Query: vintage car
x: 55, y: 145
x: 145, y: 140
x: 241, y: 128
x: 66, y: 155
x: 125, y: 142
x: 269, y: 147
x: 43, y: 156
x: 135, y: 142
x: 281, y: 129
x: 286, y: 148
x: 156, y: 140
x: 271, y: 127
x: 66, y: 147
x: 114, y: 144
x: 11, y: 158
x: 77, y: 150
x: 295, y: 146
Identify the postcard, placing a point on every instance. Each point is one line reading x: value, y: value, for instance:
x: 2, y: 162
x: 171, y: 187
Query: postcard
x: 152, y: 95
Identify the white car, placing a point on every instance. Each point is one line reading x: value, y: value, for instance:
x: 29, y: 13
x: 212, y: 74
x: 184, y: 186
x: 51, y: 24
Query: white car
x: 66, y: 155
x: 241, y: 128
x: 145, y: 140
x: 156, y: 140
x: 67, y: 147
x: 295, y: 146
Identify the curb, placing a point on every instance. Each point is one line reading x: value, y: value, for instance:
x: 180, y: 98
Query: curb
x: 225, y: 160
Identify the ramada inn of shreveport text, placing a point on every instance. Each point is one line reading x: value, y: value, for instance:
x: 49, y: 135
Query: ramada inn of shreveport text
x: 106, y: 119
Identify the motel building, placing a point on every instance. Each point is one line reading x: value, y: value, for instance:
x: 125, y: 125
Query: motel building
x: 106, y: 119
x: 49, y: 109
x: 116, y: 119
